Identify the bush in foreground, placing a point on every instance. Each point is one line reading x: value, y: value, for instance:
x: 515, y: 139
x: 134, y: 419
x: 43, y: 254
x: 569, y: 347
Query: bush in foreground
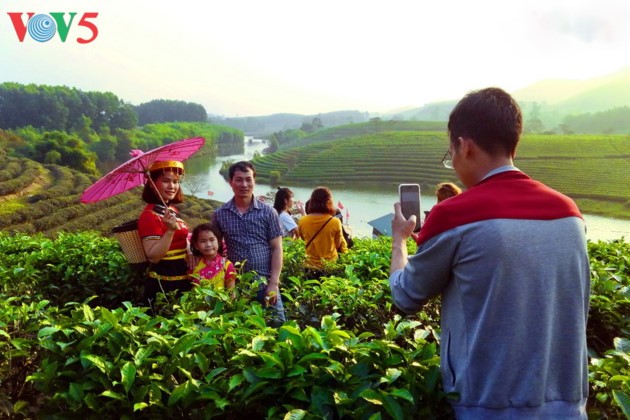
x: 74, y: 344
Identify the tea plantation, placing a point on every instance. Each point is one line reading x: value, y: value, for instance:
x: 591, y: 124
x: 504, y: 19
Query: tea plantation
x: 74, y: 342
x: 38, y: 198
x: 592, y: 169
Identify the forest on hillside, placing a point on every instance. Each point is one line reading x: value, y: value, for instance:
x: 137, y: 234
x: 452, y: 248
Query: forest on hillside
x: 93, y: 132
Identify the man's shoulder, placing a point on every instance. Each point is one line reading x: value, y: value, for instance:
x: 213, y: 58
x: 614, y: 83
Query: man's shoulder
x: 225, y: 206
x: 266, y: 210
x: 504, y: 196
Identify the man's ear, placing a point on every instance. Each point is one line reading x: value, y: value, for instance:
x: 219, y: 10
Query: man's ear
x: 467, y: 147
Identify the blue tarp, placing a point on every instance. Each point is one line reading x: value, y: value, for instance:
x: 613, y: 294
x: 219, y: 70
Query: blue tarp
x: 382, y: 225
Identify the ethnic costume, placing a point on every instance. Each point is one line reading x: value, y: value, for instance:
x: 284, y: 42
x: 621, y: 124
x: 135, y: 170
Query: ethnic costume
x: 171, y: 272
x: 218, y: 271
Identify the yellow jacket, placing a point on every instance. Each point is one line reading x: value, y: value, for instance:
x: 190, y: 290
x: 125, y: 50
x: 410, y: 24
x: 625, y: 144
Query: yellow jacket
x: 325, y: 244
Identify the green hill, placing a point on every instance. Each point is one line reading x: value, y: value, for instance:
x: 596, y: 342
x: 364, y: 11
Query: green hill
x: 46, y: 198
x: 592, y: 169
x: 375, y: 126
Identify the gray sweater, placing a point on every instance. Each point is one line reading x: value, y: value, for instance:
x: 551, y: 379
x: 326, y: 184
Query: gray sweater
x: 514, y: 302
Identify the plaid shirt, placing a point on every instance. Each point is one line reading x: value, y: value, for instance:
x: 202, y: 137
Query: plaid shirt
x: 247, y: 235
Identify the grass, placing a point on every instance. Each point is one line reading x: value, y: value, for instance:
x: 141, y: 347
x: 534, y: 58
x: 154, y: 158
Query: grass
x: 11, y: 206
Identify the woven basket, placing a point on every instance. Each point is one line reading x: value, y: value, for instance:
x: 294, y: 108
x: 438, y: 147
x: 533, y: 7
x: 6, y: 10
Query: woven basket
x: 130, y: 242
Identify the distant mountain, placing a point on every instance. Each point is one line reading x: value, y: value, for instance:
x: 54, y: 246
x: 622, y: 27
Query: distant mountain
x: 269, y: 124
x: 549, y: 101
x: 546, y: 105
x: 580, y: 96
x: 434, y: 111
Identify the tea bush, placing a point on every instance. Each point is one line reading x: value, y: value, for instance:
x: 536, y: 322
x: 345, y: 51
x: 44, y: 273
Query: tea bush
x: 72, y: 267
x: 73, y: 344
x: 215, y: 357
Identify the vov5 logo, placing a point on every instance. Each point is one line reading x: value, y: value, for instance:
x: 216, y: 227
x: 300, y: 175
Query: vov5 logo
x: 43, y: 27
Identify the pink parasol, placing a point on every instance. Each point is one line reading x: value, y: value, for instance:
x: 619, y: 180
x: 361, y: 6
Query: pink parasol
x: 134, y: 172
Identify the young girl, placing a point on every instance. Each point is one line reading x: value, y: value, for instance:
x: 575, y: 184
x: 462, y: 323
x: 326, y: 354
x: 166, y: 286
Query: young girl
x: 207, y: 242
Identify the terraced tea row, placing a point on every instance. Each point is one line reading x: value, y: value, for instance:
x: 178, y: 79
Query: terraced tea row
x: 17, y: 174
x: 581, y: 166
x: 387, y: 158
x: 367, y: 128
x: 57, y: 207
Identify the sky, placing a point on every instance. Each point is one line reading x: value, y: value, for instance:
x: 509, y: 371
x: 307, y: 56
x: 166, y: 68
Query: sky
x: 259, y: 57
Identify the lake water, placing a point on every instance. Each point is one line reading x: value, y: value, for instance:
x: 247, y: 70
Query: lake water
x: 361, y: 206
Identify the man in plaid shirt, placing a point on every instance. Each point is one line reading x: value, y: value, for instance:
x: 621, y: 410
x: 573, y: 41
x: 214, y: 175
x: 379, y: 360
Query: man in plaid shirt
x: 252, y: 233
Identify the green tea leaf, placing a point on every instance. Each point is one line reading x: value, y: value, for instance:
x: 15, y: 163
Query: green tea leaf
x: 393, y: 408
x: 624, y: 402
x: 295, y: 414
x: 313, y: 356
x: 296, y: 370
x: 96, y: 361
x: 402, y: 393
x: 258, y: 344
x: 622, y: 344
x: 372, y: 396
x: 140, y: 406
x: 391, y: 375
x: 88, y: 313
x: 235, y: 381
x: 75, y: 391
x: 142, y: 354
x: 269, y: 373
x: 213, y: 373
x: 111, y: 394
x: 128, y: 375
x: 46, y: 331
x: 180, y: 391
x: 184, y: 344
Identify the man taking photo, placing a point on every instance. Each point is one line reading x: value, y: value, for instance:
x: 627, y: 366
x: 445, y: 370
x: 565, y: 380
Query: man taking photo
x: 508, y: 257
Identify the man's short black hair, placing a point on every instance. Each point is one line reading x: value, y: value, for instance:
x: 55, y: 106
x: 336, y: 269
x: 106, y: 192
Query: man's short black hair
x: 491, y: 117
x: 242, y: 166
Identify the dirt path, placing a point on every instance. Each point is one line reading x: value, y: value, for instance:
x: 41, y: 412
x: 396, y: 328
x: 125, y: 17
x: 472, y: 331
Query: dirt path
x: 40, y: 182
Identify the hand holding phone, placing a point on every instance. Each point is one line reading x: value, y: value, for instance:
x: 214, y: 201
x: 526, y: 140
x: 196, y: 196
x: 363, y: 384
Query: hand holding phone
x: 410, y: 202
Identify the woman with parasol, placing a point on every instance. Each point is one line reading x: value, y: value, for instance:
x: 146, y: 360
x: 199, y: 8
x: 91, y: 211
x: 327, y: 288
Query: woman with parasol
x: 164, y: 235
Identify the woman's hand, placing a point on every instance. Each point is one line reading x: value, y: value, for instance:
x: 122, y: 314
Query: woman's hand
x: 192, y: 261
x: 300, y: 207
x: 170, y: 220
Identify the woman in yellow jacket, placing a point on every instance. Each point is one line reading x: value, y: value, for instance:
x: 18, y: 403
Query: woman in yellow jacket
x: 321, y: 230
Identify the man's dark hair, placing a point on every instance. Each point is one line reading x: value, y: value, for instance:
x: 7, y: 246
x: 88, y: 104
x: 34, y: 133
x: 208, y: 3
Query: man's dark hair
x: 242, y: 166
x: 491, y: 117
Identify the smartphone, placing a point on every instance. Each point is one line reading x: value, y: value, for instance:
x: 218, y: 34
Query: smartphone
x: 161, y: 210
x: 410, y: 202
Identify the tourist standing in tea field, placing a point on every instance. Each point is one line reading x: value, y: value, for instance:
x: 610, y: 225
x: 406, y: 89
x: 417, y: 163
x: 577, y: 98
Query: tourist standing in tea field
x: 321, y: 231
x: 283, y: 202
x: 508, y: 257
x: 164, y: 234
x: 253, y: 236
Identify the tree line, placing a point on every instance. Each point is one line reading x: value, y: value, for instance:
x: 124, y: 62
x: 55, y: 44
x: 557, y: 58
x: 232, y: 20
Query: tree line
x: 94, y: 131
